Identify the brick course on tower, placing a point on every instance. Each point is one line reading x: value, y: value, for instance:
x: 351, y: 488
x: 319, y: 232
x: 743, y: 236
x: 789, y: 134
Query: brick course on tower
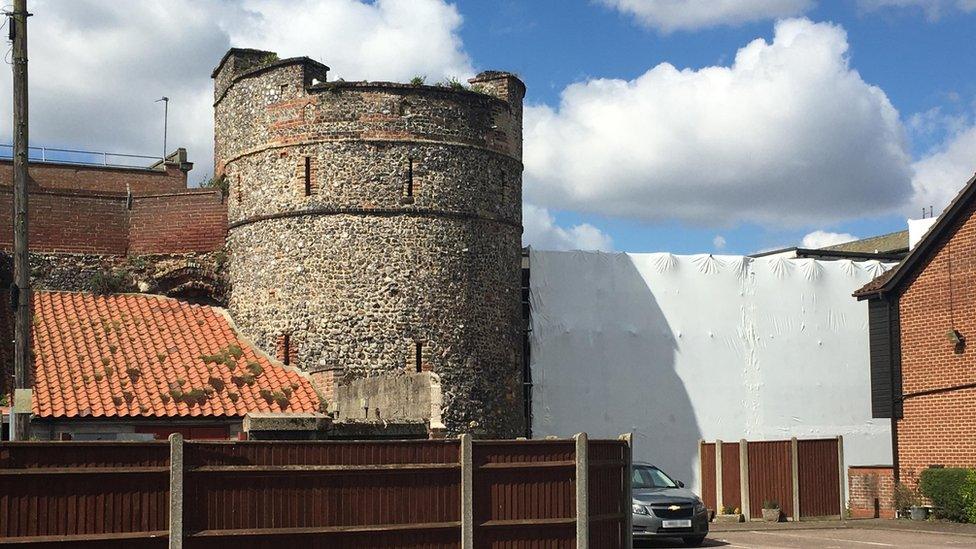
x: 375, y: 228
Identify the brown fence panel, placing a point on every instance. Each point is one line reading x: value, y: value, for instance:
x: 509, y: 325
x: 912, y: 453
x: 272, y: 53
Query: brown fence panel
x: 355, y: 494
x: 607, y: 467
x: 819, y: 478
x: 94, y: 493
x: 707, y: 466
x: 525, y: 494
x: 770, y: 476
x: 731, y: 485
x: 335, y: 494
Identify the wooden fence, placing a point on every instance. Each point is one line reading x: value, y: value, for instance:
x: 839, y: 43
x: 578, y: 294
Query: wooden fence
x: 405, y: 494
x: 806, y: 477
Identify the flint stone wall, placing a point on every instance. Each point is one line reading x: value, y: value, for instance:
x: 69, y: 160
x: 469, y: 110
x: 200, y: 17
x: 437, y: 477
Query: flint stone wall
x: 407, y: 230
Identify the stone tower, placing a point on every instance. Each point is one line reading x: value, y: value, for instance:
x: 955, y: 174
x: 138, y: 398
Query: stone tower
x: 375, y: 228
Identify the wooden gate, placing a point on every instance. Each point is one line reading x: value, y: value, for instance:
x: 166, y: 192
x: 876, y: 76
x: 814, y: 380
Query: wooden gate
x: 804, y: 476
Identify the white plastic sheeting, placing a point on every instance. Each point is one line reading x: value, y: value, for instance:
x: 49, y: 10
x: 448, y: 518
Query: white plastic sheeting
x: 682, y: 348
x: 917, y: 228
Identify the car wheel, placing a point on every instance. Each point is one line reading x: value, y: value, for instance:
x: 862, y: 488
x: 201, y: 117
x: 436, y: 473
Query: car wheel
x: 694, y: 542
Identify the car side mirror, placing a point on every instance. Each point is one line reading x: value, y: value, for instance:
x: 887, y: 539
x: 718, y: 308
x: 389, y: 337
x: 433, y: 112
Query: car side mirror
x: 681, y: 484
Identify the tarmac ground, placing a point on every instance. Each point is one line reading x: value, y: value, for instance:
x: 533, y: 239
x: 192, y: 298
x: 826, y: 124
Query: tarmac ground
x: 866, y: 534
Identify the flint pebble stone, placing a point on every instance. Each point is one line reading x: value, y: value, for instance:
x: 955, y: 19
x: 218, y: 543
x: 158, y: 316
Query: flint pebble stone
x: 369, y: 221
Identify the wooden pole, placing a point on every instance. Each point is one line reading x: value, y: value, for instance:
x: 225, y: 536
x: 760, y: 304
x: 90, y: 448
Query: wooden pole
x: 20, y: 290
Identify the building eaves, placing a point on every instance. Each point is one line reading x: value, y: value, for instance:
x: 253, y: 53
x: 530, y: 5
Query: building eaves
x: 891, y: 283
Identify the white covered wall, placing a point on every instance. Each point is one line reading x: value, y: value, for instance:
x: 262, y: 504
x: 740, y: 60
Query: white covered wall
x: 682, y: 348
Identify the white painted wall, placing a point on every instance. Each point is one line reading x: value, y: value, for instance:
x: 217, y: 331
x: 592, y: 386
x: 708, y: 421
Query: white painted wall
x: 680, y: 348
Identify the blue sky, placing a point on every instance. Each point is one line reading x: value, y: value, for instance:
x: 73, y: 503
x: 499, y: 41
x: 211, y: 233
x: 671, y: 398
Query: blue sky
x: 688, y: 126
x: 920, y: 62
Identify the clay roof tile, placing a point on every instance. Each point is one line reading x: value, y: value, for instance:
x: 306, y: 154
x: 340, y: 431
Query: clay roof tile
x: 99, y: 356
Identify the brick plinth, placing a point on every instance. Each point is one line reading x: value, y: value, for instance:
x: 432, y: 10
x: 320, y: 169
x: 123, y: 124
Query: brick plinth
x: 871, y: 491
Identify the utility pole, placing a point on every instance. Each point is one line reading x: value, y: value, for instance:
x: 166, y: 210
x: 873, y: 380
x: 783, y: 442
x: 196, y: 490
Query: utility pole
x: 20, y: 289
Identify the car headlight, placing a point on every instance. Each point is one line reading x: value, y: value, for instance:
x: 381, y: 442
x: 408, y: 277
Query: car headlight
x: 699, y: 507
x: 640, y: 509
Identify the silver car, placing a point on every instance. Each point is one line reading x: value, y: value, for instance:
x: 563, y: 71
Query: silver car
x: 664, y: 508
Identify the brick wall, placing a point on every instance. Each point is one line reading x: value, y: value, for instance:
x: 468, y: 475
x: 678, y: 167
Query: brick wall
x: 870, y: 491
x: 190, y: 221
x: 939, y: 429
x: 100, y: 178
x: 89, y: 222
x: 70, y: 222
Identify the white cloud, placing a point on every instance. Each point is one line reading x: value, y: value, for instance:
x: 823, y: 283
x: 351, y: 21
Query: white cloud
x: 672, y: 15
x: 787, y: 135
x: 821, y: 239
x: 386, y: 40
x: 541, y: 231
x: 96, y: 67
x: 933, y: 9
x: 940, y: 175
x: 719, y: 242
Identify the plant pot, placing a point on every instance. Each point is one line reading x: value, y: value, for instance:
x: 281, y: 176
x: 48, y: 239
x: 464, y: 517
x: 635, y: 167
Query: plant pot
x: 771, y: 515
x: 729, y: 518
x: 919, y: 513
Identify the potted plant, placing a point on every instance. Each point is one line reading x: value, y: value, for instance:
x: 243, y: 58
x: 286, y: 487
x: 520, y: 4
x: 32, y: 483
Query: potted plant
x: 919, y: 513
x: 771, y: 511
x: 729, y: 514
x: 909, y: 502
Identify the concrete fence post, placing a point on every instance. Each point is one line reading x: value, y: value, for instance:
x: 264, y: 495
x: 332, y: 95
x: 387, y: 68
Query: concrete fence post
x: 467, y: 492
x: 176, y: 491
x: 795, y: 466
x: 582, y: 492
x: 841, y: 474
x: 719, y: 497
x: 744, y: 478
x: 627, y: 525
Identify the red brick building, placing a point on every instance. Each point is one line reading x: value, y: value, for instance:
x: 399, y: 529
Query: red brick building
x: 120, y: 366
x: 116, y: 211
x: 923, y: 370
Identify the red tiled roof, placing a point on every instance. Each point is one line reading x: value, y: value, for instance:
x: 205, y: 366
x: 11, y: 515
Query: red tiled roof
x: 150, y: 356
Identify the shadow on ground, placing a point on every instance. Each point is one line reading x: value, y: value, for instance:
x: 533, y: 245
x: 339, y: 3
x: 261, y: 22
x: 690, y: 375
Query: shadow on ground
x: 675, y: 542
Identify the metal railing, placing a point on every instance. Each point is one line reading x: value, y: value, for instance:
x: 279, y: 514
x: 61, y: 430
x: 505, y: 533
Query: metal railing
x: 84, y: 158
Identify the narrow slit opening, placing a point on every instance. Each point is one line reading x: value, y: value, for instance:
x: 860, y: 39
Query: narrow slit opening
x: 409, y: 189
x: 418, y: 356
x: 286, y: 349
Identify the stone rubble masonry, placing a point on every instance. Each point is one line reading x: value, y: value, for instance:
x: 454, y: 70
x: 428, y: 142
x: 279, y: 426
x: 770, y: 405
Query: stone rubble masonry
x: 189, y: 275
x: 405, y: 234
x: 939, y: 429
x: 868, y: 485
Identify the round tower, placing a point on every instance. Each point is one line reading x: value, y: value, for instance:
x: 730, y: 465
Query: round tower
x: 375, y: 228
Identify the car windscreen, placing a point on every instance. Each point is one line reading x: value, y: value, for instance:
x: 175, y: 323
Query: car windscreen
x: 650, y: 477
